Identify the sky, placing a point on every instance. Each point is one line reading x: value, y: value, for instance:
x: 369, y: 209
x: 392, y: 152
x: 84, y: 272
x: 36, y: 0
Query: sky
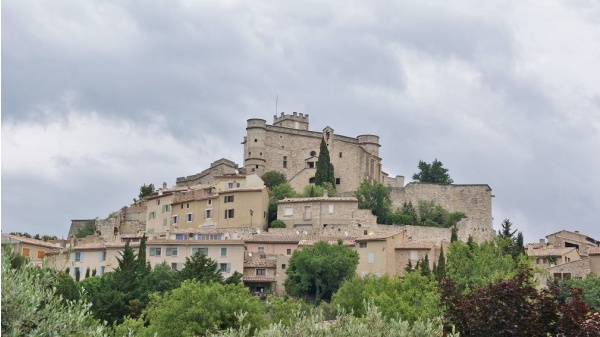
x: 101, y: 97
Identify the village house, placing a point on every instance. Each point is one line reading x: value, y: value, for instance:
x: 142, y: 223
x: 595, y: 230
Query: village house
x: 377, y: 252
x: 415, y: 252
x: 33, y: 249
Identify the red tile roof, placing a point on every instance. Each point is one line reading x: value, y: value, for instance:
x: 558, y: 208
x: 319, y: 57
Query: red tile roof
x: 594, y: 251
x: 34, y: 242
x: 261, y: 263
x: 416, y: 245
x: 258, y: 279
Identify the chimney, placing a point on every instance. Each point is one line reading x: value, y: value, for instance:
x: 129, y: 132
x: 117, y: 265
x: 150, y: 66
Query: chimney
x: 164, y: 185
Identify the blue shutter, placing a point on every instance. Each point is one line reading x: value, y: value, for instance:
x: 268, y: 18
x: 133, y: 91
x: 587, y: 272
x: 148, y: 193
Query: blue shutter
x: 73, y: 258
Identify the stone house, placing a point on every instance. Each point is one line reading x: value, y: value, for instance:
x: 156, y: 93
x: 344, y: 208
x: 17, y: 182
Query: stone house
x: 229, y: 253
x: 35, y: 250
x: 415, y: 252
x: 232, y: 202
x: 565, y: 238
x: 377, y: 253
x: 207, y: 177
x: 323, y: 212
x: 594, y: 256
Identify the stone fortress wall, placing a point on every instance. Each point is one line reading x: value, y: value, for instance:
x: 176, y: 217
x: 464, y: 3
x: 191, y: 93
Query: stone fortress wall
x: 217, y: 168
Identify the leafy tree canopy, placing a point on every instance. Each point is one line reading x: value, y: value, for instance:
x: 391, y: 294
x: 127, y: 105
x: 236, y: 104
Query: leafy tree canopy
x: 319, y: 270
x: 410, y: 298
x: 273, y: 178
x: 432, y: 173
x: 377, y: 198
x: 145, y: 191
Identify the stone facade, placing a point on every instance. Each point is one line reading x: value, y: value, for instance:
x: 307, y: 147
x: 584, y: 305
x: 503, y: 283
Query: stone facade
x: 566, y: 238
x: 473, y: 200
x: 217, y: 168
x: 323, y: 212
x: 289, y: 147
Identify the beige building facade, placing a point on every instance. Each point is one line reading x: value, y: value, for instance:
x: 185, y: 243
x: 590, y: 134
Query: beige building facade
x: 377, y: 254
x: 33, y: 249
x: 289, y: 147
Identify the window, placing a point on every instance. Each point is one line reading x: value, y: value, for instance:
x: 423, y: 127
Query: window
x: 203, y: 251
x: 228, y: 198
x: 209, y: 202
x: 78, y: 257
x: 151, y: 215
x: 25, y: 251
x: 307, y: 212
x: 330, y: 209
x: 181, y: 206
x: 224, y: 267
x: 362, y: 245
x: 289, y: 251
x: 413, y: 255
x: 166, y: 208
x: 371, y: 257
x: 41, y: 254
x: 187, y: 205
x: 261, y: 272
x: 179, y: 237
x: 102, y: 256
x: 283, y: 266
x: 158, y: 201
x: 189, y: 217
x: 207, y: 213
x: 164, y: 221
x: 229, y: 213
x: 171, y: 251
x: 261, y: 249
x: 338, y: 181
x: 223, y: 251
x: 155, y: 251
x: 311, y: 180
x: 255, y: 140
x: 174, y: 219
x: 340, y: 155
x: 284, y: 161
x: 229, y: 185
x: 288, y: 211
x: 311, y: 164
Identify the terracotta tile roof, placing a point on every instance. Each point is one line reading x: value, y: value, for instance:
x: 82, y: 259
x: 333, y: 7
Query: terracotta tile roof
x: 378, y: 236
x: 346, y: 241
x: 34, y: 242
x: 416, y: 245
x: 194, y: 242
x: 594, y: 251
x: 261, y: 263
x: 258, y: 279
x: 549, y: 251
x: 323, y: 199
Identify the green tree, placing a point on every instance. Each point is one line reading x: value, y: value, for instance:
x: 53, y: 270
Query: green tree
x: 319, y: 270
x: 235, y: 278
x: 142, y: 267
x: 590, y: 285
x: 475, y: 265
x: 201, y: 268
x: 425, y: 269
x: 454, y: 234
x: 31, y: 308
x: 277, y: 193
x: 273, y: 178
x: 432, y: 173
x: 410, y: 298
x: 377, y: 198
x: 277, y: 224
x: 324, y: 172
x: 284, y: 310
x: 440, y: 271
x: 145, y: 191
x: 196, y: 309
x: 88, y: 228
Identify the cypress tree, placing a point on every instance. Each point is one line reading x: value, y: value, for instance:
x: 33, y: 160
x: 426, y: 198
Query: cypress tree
x: 408, y: 267
x: 141, y: 257
x: 440, y: 272
x: 425, y: 270
x: 87, y: 272
x: 454, y: 236
x: 324, y: 171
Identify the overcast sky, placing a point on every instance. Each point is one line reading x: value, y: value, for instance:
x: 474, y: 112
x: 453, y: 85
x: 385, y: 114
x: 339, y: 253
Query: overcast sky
x: 100, y: 97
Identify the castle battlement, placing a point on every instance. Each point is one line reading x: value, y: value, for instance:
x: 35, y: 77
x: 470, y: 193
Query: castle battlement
x: 293, y: 121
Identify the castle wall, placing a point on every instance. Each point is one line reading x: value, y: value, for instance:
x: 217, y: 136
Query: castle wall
x: 473, y: 200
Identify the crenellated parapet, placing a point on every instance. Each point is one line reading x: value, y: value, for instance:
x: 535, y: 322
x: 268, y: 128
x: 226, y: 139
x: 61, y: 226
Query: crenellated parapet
x: 296, y: 120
